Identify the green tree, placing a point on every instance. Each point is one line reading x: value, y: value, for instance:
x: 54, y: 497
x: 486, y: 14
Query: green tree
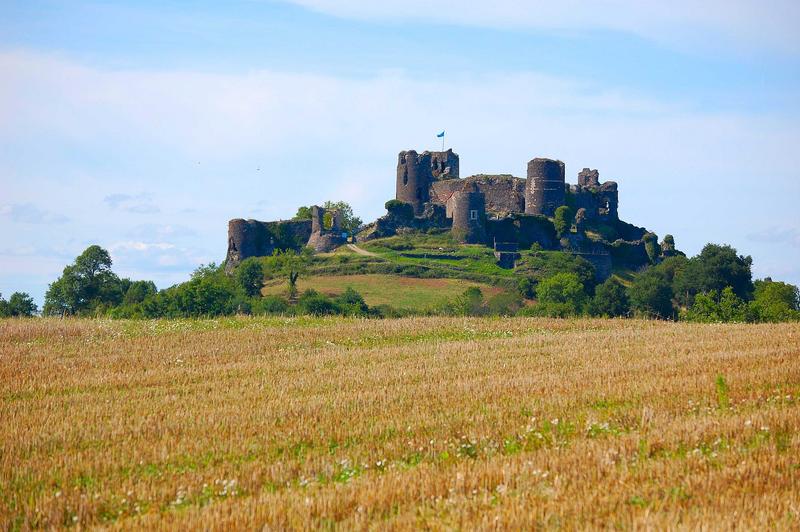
x: 351, y: 303
x: 716, y: 267
x: 4, y: 311
x: 712, y: 307
x: 650, y: 295
x: 84, y: 286
x: 303, y: 213
x: 563, y: 220
x: 561, y: 295
x: 610, y: 299
x: 138, y: 291
x: 775, y: 301
x: 250, y: 276
x: 22, y: 305
x: 350, y: 222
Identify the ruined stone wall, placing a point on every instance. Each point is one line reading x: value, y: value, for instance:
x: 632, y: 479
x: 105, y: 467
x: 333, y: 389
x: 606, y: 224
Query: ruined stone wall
x: 544, y: 191
x: 251, y: 238
x: 322, y: 240
x: 504, y: 194
x: 444, y: 164
x: 601, y: 201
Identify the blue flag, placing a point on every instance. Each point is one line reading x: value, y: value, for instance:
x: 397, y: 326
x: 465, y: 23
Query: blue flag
x: 440, y: 135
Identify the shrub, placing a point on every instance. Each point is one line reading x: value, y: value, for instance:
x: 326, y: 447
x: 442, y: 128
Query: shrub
x: 351, y: 303
x: 400, y: 209
x: 561, y: 295
x: 270, y: 305
x: 563, y: 220
x: 314, y: 303
x: 651, y: 247
x: 250, y: 276
x: 504, y: 304
x: 775, y: 301
x: 610, y: 299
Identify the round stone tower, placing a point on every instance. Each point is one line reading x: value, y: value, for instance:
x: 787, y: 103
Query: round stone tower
x: 544, y: 189
x: 414, y: 179
x: 469, y: 214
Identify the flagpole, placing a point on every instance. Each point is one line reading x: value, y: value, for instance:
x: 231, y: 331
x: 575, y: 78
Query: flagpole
x: 442, y: 140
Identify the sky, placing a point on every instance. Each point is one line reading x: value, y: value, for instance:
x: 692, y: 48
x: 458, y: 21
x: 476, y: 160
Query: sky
x: 145, y: 126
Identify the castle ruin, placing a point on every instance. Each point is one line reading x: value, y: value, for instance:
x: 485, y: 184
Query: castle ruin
x: 499, y: 210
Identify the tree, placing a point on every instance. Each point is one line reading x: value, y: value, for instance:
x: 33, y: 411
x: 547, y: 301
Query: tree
x: 22, y: 305
x: 350, y: 222
x: 351, y: 303
x: 4, y: 311
x: 610, y: 299
x: 716, y: 267
x: 651, y: 295
x: 250, y: 276
x: 563, y: 220
x: 561, y: 295
x: 303, y: 213
x: 712, y: 307
x: 85, y: 285
x: 138, y: 291
x: 776, y: 301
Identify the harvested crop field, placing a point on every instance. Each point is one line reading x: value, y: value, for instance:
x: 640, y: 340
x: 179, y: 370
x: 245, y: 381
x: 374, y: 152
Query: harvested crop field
x: 409, y: 423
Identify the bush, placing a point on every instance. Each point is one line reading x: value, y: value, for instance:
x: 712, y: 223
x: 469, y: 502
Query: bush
x: 316, y: 304
x: 351, y: 303
x: 561, y: 295
x: 504, y: 304
x: 400, y: 209
x: 775, y: 302
x: 250, y: 276
x: 563, y: 220
x: 610, y: 299
x: 270, y: 305
x: 651, y: 247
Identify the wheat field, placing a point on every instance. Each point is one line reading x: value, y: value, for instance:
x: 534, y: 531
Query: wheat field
x: 438, y: 423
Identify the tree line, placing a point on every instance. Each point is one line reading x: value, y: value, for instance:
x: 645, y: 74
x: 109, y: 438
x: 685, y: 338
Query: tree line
x: 714, y: 286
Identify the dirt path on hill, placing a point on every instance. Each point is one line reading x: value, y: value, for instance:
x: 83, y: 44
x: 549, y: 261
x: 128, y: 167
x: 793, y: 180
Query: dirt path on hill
x: 353, y: 247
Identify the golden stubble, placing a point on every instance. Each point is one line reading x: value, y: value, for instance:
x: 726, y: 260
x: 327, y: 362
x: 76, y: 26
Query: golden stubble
x: 413, y: 423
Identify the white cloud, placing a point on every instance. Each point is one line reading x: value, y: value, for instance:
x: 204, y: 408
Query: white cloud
x: 686, y: 24
x: 136, y: 204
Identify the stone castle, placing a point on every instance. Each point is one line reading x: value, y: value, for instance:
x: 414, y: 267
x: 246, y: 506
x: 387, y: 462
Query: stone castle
x: 502, y: 211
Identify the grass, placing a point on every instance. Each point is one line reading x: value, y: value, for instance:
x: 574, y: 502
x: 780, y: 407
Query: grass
x: 399, y: 292
x: 414, y: 423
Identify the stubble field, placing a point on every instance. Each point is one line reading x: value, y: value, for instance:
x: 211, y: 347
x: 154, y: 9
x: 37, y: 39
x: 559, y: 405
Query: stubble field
x: 414, y: 423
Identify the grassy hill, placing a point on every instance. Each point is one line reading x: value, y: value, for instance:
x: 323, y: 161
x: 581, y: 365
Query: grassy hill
x: 384, y: 289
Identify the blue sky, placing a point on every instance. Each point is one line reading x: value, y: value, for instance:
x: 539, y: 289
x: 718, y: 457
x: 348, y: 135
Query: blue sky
x: 145, y: 126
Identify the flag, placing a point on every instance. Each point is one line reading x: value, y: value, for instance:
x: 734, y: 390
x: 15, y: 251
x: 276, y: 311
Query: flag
x: 440, y: 135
